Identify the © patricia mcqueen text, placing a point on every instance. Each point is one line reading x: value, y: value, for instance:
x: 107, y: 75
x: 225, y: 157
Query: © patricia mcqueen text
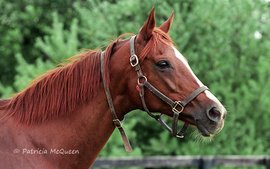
x: 56, y: 151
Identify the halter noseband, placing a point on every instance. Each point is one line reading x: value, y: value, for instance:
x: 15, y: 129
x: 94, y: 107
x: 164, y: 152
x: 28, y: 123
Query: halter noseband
x: 142, y: 83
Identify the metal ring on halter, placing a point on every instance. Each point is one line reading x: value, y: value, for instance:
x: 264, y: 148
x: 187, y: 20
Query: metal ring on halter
x: 134, y: 61
x: 141, y: 80
x: 181, y: 133
x: 178, y: 104
x: 179, y: 136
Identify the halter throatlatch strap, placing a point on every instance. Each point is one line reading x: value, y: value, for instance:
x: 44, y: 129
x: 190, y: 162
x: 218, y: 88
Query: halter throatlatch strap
x: 177, y: 106
x: 116, y: 120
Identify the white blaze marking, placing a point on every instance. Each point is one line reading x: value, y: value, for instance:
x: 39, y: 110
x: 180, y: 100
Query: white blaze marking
x: 207, y: 92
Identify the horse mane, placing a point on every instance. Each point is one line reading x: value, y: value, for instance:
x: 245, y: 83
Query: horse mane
x: 61, y: 90
x: 64, y: 89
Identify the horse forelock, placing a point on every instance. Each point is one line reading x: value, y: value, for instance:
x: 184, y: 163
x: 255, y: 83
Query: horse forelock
x: 158, y: 36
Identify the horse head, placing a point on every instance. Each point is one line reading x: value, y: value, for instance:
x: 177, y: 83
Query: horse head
x: 174, y: 89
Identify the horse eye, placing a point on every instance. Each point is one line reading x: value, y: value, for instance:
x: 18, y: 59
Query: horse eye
x: 163, y: 64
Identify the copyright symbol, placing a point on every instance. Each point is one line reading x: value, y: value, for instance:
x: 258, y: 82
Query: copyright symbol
x: 16, y: 151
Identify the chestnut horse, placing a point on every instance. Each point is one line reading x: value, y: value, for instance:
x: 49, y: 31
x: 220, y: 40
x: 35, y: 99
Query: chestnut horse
x: 64, y: 118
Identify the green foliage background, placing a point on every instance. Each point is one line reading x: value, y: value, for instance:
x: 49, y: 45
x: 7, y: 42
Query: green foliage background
x: 217, y: 37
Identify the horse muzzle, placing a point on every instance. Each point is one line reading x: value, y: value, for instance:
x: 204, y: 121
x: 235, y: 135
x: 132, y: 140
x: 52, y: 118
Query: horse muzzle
x: 212, y: 120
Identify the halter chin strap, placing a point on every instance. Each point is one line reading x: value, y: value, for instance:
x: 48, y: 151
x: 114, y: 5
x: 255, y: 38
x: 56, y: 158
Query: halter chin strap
x: 177, y: 106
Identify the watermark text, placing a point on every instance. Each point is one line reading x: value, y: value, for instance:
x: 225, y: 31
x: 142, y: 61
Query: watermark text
x: 56, y: 151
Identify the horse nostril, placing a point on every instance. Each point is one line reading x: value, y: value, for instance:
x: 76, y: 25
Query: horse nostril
x: 214, y: 114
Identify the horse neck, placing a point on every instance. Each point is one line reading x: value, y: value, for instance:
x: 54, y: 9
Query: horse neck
x: 86, y: 130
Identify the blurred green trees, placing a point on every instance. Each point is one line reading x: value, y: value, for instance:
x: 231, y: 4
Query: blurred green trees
x: 226, y: 42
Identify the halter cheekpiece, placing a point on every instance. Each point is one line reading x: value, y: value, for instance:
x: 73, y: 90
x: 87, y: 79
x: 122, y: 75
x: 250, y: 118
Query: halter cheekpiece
x: 142, y: 84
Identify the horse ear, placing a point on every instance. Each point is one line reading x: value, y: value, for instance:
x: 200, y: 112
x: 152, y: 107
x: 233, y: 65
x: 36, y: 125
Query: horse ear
x: 167, y: 24
x: 148, y: 27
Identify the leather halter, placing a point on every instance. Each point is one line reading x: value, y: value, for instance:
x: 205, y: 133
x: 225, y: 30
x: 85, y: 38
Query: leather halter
x: 142, y: 83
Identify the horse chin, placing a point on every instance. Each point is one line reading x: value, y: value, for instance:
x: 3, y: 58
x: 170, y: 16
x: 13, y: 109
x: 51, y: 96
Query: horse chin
x: 197, y: 135
x: 203, y: 130
x: 206, y: 131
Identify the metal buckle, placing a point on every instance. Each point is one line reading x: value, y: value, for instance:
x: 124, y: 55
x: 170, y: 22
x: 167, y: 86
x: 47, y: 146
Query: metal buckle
x: 176, y: 105
x: 134, y: 61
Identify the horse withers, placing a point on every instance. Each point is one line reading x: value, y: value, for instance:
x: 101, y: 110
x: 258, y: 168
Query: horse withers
x: 64, y: 118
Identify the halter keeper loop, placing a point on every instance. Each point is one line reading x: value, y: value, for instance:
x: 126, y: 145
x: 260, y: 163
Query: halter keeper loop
x: 117, y: 123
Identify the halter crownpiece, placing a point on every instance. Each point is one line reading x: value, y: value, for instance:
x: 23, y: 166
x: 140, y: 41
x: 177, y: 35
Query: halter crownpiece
x: 142, y: 83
